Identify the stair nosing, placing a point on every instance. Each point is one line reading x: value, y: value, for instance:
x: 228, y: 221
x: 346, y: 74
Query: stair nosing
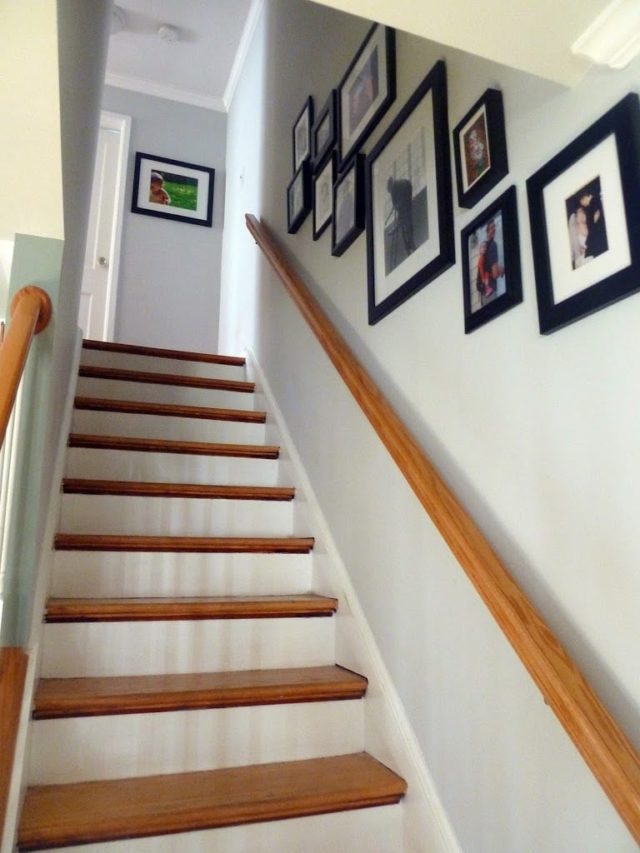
x: 158, y: 352
x: 173, y: 379
x: 174, y: 410
x: 181, y: 544
x: 162, y: 445
x: 129, y: 488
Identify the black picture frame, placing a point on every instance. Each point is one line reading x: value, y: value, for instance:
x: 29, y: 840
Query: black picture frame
x: 323, y: 181
x: 410, y: 238
x: 490, y: 250
x: 349, y: 207
x: 173, y: 189
x: 324, y: 131
x: 480, y: 146
x: 299, y: 197
x: 301, y: 135
x: 585, y: 219
x: 366, y: 91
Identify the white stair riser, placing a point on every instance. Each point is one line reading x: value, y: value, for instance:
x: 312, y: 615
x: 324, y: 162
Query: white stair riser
x: 117, y: 514
x: 105, y: 574
x: 151, y: 364
x: 148, y: 392
x: 170, y: 467
x: 73, y: 750
x: 172, y: 428
x: 208, y: 645
x: 376, y: 830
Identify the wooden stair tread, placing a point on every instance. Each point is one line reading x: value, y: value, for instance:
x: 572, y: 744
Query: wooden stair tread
x: 214, y: 607
x: 74, y: 697
x: 162, y: 445
x: 182, y: 544
x: 178, y: 355
x: 91, y: 812
x: 123, y: 375
x: 79, y: 486
x: 100, y: 404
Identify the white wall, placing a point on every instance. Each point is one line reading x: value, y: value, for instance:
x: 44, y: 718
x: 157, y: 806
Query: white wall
x: 539, y: 436
x: 169, y: 288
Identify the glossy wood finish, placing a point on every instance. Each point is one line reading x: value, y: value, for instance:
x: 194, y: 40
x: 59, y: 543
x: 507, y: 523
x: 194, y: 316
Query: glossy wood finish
x: 98, y: 404
x: 30, y: 314
x: 177, y: 490
x: 179, y: 355
x: 87, y: 697
x: 162, y: 609
x: 180, y: 544
x: 160, y: 445
x: 602, y: 743
x: 91, y: 812
x: 13, y: 669
x: 166, y: 379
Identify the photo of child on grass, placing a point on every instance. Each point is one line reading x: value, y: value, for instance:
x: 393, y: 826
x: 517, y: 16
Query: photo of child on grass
x: 173, y: 190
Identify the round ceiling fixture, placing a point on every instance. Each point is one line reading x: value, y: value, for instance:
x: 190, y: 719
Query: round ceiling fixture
x: 168, y: 33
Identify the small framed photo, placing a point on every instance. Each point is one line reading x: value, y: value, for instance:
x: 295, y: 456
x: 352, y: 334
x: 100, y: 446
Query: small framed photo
x: 480, y: 147
x: 491, y: 262
x: 348, y: 204
x: 299, y: 198
x: 324, y: 130
x: 585, y: 219
x: 410, y: 236
x: 171, y: 189
x: 302, y: 135
x: 367, y: 90
x: 323, y: 197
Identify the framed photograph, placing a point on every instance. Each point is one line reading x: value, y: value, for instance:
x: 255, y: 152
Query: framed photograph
x: 302, y: 135
x: 480, y: 146
x: 585, y: 219
x: 323, y: 197
x: 299, y: 198
x: 172, y: 189
x: 348, y: 204
x: 367, y: 90
x: 409, y: 218
x: 324, y: 130
x: 491, y: 262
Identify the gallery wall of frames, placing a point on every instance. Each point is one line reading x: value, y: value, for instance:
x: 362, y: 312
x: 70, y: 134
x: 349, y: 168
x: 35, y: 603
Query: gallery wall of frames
x: 399, y: 194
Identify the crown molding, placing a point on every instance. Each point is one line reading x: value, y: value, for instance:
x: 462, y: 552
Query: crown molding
x: 158, y: 90
x: 243, y: 49
x: 613, y: 38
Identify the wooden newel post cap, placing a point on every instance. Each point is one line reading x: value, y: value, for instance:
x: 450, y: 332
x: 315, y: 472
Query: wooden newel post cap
x: 45, y: 310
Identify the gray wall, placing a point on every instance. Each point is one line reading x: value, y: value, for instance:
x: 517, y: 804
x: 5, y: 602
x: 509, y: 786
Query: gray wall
x: 169, y: 288
x: 538, y: 435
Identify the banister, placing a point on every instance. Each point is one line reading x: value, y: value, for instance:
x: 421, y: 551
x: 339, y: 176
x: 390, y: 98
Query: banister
x: 601, y: 742
x: 30, y: 314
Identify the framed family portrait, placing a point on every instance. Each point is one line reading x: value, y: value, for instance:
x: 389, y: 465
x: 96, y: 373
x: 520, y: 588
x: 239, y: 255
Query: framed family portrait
x: 323, y: 197
x: 324, y: 130
x: 409, y: 217
x: 585, y: 219
x: 348, y: 206
x: 480, y: 147
x: 302, y: 135
x: 172, y: 189
x: 491, y: 276
x: 299, y: 198
x: 367, y: 90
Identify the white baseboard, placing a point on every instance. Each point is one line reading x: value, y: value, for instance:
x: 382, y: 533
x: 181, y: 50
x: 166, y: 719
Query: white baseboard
x: 45, y: 563
x: 389, y: 735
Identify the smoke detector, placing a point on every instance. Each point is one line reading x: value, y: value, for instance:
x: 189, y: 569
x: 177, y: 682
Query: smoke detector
x: 168, y: 33
x: 118, y: 20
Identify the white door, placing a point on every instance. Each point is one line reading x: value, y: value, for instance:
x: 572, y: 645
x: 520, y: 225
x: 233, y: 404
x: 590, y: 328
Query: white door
x: 96, y: 314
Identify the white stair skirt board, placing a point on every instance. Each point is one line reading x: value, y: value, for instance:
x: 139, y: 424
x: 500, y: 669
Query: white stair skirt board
x: 145, y: 516
x: 149, y: 392
x: 208, y: 645
x: 149, y: 364
x: 375, y: 830
x: 170, y: 467
x: 105, y: 574
x: 72, y: 750
x: 166, y: 427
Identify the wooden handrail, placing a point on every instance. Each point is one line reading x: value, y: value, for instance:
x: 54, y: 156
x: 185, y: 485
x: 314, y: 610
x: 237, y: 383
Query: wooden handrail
x: 610, y: 755
x: 13, y: 667
x: 30, y: 314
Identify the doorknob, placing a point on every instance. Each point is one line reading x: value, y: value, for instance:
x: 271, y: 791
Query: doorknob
x: 103, y: 262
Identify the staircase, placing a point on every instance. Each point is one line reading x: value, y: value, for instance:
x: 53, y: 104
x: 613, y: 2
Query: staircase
x: 189, y: 697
